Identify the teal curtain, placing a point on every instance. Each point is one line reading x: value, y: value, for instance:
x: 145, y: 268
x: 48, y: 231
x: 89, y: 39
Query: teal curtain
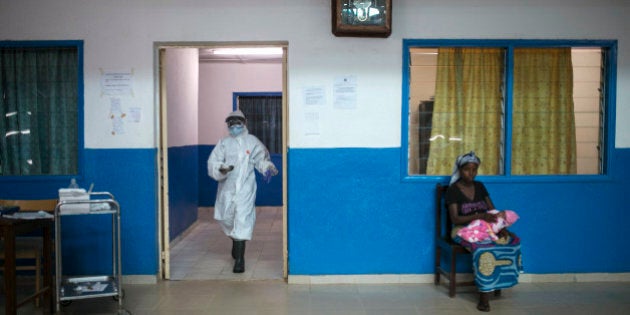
x: 264, y: 119
x: 38, y: 111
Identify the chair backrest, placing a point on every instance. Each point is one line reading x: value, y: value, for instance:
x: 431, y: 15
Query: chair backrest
x: 443, y: 225
x: 47, y: 205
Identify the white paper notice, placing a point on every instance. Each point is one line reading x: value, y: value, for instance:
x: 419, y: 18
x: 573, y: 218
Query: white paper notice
x: 115, y: 108
x: 117, y: 82
x: 311, y: 124
x: 314, y: 95
x: 136, y: 114
x: 116, y: 114
x: 345, y: 92
x: 118, y: 126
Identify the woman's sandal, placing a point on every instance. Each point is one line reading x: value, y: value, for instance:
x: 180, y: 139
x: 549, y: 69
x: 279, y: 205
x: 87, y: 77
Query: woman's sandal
x: 484, y: 302
x: 484, y: 307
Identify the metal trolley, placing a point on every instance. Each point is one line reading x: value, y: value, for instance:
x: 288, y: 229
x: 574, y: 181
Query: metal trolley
x: 94, y: 286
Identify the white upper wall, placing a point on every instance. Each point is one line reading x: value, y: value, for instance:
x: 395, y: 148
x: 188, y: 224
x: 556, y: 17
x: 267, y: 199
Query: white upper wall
x: 120, y: 35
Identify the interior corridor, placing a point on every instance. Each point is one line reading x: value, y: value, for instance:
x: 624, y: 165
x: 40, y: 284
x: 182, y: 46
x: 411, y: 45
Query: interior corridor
x: 204, y: 253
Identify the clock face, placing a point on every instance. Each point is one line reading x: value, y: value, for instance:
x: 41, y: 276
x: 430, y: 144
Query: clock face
x: 364, y: 18
x: 363, y: 12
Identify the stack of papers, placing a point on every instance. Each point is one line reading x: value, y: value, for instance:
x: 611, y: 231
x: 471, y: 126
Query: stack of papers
x: 30, y: 215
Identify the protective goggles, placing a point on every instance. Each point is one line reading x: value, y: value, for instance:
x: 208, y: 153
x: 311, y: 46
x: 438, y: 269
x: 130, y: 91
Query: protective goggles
x: 235, y: 122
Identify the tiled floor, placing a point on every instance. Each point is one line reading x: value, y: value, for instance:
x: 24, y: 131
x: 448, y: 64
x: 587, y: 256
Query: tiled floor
x: 275, y: 297
x: 205, y: 252
x: 207, y: 286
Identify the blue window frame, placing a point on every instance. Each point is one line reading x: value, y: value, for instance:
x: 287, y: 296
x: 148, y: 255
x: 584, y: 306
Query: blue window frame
x: 65, y: 144
x: 413, y: 107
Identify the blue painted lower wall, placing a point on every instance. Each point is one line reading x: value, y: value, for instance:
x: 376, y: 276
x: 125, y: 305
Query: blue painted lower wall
x: 130, y: 175
x: 350, y: 213
x: 183, y: 187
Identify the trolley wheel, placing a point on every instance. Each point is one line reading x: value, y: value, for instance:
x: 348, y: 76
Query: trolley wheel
x: 122, y: 295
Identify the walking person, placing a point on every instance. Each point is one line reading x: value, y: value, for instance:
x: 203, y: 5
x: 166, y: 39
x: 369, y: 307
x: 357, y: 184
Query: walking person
x: 232, y: 164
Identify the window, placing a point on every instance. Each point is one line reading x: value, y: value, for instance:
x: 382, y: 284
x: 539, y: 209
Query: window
x: 264, y: 117
x: 525, y: 107
x: 40, y: 102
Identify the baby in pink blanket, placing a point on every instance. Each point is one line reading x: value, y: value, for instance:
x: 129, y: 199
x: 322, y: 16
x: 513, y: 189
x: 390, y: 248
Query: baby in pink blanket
x: 481, y: 231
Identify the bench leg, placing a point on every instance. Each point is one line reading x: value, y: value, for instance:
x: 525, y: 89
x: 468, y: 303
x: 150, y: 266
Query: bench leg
x: 438, y: 253
x: 453, y: 275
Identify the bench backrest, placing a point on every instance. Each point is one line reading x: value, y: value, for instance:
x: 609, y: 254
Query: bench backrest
x: 443, y: 225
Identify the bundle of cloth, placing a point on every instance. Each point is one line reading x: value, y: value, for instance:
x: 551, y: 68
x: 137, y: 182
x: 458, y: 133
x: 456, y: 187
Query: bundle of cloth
x: 478, y: 231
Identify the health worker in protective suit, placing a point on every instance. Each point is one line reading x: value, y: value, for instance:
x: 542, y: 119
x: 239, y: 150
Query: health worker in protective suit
x: 232, y: 164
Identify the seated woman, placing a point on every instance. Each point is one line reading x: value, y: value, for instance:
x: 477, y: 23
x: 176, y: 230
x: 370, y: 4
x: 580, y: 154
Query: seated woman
x: 496, y: 264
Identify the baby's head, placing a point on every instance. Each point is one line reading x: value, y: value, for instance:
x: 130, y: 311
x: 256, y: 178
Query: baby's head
x: 510, y: 216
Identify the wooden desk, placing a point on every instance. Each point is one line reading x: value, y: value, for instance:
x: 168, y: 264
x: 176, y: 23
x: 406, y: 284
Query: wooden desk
x: 9, y: 228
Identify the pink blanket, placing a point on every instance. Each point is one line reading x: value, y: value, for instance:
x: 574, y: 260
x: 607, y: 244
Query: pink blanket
x: 481, y: 231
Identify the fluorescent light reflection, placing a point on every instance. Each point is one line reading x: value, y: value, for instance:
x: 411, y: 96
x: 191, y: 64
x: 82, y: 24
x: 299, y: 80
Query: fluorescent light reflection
x: 248, y: 51
x: 442, y: 137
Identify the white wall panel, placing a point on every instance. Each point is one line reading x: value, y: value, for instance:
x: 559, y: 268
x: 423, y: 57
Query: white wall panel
x: 120, y: 35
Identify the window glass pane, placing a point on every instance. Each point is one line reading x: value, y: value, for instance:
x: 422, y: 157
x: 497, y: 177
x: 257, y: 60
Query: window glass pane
x: 556, y: 111
x: 588, y: 84
x: 556, y: 96
x: 39, y: 109
x: 456, y: 106
x: 422, y: 76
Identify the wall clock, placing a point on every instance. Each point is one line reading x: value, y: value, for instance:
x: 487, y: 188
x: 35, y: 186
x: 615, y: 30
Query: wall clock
x: 362, y: 18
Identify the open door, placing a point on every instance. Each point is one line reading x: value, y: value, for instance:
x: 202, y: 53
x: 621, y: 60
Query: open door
x: 167, y: 201
x: 162, y: 160
x: 285, y: 151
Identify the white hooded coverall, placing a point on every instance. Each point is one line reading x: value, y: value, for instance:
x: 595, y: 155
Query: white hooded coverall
x: 234, y: 208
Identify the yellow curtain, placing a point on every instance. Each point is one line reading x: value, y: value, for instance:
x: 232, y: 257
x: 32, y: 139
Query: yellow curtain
x: 468, y: 109
x: 543, y: 123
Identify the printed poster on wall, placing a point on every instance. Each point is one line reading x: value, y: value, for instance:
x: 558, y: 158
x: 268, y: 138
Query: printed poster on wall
x: 345, y: 92
x: 117, y: 82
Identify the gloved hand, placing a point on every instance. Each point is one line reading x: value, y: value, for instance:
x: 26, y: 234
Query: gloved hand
x: 272, y: 171
x: 225, y: 169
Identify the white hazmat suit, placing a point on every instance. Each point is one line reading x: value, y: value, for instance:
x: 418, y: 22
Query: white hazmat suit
x: 234, y: 208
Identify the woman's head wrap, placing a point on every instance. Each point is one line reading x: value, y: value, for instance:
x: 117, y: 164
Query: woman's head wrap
x: 462, y: 160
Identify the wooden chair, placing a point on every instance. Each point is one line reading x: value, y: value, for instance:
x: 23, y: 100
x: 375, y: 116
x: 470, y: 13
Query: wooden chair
x: 445, y: 245
x: 29, y: 248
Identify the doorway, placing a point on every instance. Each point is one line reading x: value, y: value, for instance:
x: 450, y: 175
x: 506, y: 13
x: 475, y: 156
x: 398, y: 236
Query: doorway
x: 177, y: 144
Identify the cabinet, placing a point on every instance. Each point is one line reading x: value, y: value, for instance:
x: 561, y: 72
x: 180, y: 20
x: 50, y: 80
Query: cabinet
x: 89, y: 286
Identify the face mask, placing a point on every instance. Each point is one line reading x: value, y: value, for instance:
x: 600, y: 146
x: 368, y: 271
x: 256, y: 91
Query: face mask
x: 236, y: 130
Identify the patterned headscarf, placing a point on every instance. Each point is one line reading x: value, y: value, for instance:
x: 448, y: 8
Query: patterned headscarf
x: 469, y: 157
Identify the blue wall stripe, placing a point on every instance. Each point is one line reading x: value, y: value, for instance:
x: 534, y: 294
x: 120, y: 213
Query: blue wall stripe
x: 350, y: 213
x: 183, y: 188
x: 130, y: 175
